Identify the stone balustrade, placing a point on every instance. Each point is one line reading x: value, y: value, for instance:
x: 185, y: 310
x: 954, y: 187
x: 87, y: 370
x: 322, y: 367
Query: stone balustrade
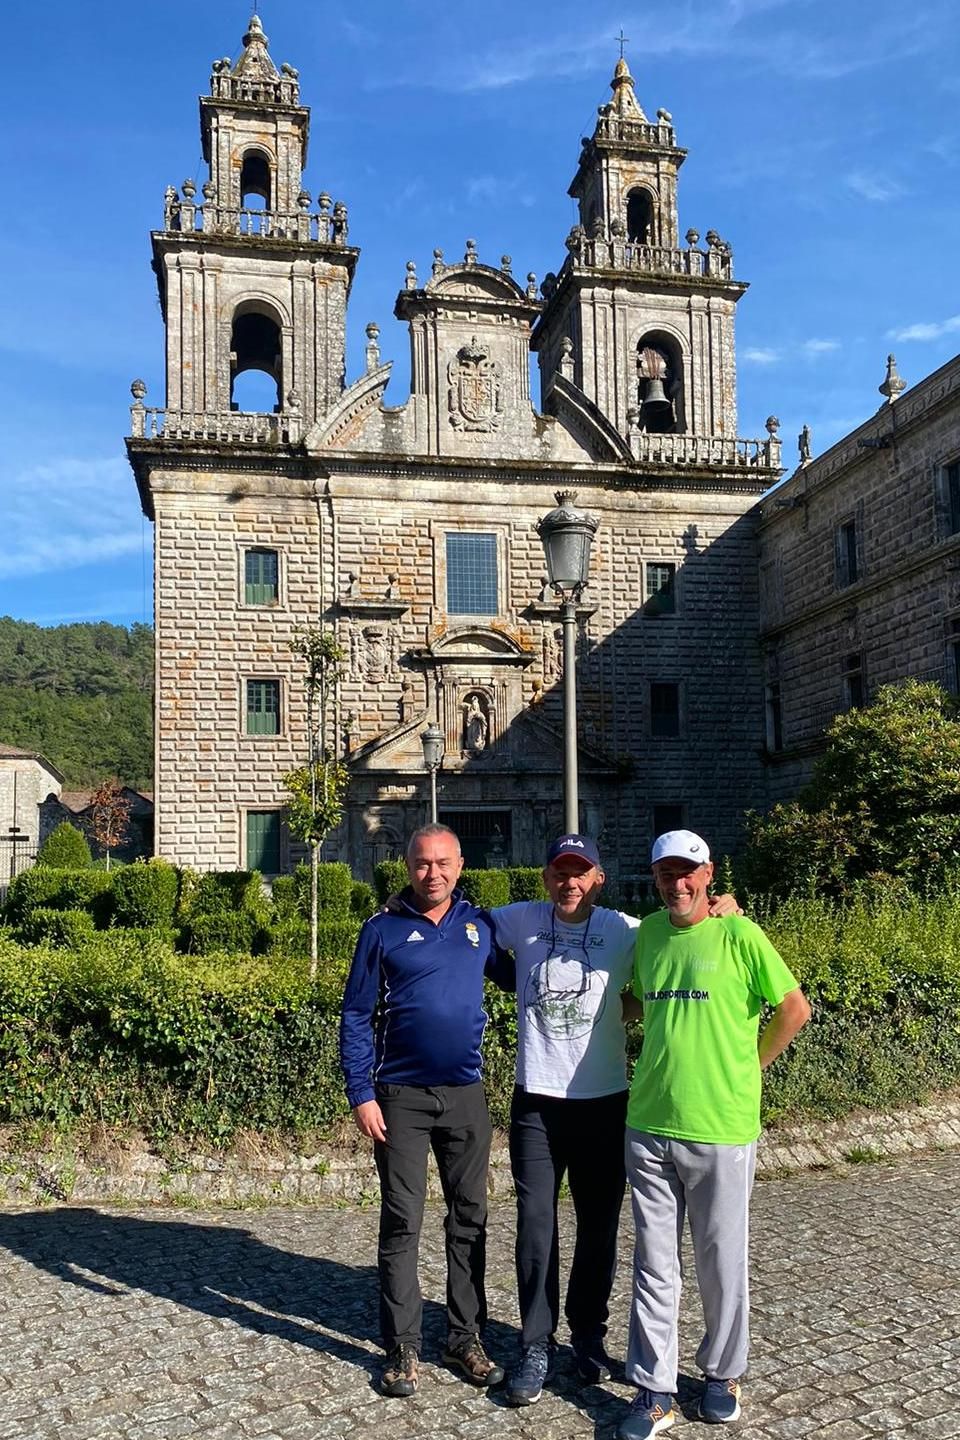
x: 622, y: 130
x: 234, y: 428
x: 326, y: 226
x: 619, y: 254
x: 703, y: 450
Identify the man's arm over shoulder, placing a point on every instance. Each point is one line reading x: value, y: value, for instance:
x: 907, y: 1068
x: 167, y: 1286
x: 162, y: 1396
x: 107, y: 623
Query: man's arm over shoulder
x: 501, y: 967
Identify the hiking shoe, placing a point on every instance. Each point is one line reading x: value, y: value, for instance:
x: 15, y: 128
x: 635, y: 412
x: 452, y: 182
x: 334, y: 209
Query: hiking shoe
x: 650, y: 1412
x: 401, y: 1375
x: 593, y: 1362
x: 470, y: 1357
x: 720, y: 1402
x: 526, y: 1382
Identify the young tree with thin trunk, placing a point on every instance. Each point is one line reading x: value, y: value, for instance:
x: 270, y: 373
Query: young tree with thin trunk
x: 317, y: 790
x: 109, y: 816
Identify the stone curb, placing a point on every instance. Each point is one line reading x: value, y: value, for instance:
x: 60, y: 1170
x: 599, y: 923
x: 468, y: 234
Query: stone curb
x: 125, y: 1174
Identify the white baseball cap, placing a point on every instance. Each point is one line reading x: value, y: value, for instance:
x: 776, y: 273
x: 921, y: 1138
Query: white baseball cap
x: 680, y: 845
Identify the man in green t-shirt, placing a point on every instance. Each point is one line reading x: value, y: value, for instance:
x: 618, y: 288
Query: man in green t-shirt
x: 692, y: 1125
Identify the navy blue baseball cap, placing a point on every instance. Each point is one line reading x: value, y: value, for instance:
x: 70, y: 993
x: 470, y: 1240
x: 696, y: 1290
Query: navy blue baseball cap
x: 581, y: 846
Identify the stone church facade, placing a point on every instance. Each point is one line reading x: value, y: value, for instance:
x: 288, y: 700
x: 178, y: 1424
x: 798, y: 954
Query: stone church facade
x: 410, y: 530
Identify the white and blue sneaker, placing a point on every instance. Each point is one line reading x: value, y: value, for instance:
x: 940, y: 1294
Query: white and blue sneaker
x: 650, y: 1412
x: 720, y: 1402
x: 525, y: 1383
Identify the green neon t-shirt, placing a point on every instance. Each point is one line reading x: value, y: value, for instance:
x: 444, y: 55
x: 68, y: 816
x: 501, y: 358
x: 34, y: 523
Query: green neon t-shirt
x: 702, y: 987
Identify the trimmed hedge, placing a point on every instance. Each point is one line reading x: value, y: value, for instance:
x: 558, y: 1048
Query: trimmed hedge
x: 65, y: 848
x: 336, y: 939
x: 145, y: 895
x: 526, y: 883
x: 389, y: 878
x: 48, y: 888
x: 124, y: 1030
x: 65, y: 929
x: 486, y: 887
x: 218, y: 892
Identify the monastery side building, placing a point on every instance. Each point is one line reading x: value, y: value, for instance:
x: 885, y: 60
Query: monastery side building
x: 410, y: 530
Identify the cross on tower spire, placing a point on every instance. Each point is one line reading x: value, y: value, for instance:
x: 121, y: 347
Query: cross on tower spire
x: 623, y: 39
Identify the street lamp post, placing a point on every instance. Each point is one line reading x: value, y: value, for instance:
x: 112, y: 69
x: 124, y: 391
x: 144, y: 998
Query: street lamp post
x: 432, y: 741
x: 567, y: 534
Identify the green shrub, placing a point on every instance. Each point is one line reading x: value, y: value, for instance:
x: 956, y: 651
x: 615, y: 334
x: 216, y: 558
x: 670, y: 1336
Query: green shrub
x: 389, y: 878
x: 219, y: 892
x: 231, y: 932
x: 145, y: 895
x: 526, y: 883
x: 336, y: 939
x: 334, y: 888
x: 363, y: 900
x: 62, y: 929
x: 486, y: 888
x: 65, y: 848
x: 283, y: 894
x: 53, y: 889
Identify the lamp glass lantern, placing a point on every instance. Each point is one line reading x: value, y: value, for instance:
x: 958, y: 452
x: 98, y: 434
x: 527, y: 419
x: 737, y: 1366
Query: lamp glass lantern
x: 432, y: 741
x: 567, y: 535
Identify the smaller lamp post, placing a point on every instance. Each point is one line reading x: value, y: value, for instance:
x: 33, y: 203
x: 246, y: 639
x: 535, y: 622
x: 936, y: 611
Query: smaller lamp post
x: 567, y: 534
x: 432, y: 741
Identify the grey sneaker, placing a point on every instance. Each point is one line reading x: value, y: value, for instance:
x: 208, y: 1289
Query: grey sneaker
x: 526, y: 1382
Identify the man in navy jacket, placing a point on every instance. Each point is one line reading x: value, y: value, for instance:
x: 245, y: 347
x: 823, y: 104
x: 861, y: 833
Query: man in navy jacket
x: 410, y: 1036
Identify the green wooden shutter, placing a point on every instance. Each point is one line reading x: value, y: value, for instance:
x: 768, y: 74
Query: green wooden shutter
x: 263, y: 841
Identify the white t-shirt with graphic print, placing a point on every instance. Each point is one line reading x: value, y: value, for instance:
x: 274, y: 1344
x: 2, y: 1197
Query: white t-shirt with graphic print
x: 569, y: 977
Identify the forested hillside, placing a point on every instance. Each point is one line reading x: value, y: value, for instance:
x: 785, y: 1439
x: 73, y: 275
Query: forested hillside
x: 82, y: 695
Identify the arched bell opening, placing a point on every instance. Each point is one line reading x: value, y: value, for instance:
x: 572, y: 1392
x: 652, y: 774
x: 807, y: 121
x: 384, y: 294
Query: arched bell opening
x: 640, y: 218
x: 660, y: 384
x: 256, y: 362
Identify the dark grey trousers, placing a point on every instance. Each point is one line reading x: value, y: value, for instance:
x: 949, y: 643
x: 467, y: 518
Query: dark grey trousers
x: 452, y: 1121
x: 671, y: 1179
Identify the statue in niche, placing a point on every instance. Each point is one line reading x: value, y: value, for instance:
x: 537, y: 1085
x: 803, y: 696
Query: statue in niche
x: 475, y: 727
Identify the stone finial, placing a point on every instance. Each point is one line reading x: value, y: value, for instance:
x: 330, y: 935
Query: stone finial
x: 438, y: 266
x: 373, y: 349
x: 411, y: 281
x: 340, y: 227
x: 303, y: 200
x: 617, y: 228
x: 208, y: 190
x: 624, y: 102
x: 293, y: 400
x: 531, y: 286
x: 506, y: 262
x: 893, y: 382
x: 324, y: 201
x: 255, y: 62
x: 713, y: 239
x: 289, y: 72
x: 692, y: 237
x: 771, y: 425
x: 470, y: 255
x: 188, y: 189
x: 664, y: 116
x: 566, y: 358
x: 633, y: 418
x: 138, y: 389
x: 350, y: 589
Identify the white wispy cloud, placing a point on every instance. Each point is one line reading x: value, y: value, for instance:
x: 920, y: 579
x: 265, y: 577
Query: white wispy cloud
x: 68, y: 513
x: 819, y: 347
x: 759, y: 355
x: 927, y: 330
x: 873, y: 187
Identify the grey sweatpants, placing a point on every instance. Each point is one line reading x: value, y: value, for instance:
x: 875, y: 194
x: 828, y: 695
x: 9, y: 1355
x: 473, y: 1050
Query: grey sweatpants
x: 711, y: 1183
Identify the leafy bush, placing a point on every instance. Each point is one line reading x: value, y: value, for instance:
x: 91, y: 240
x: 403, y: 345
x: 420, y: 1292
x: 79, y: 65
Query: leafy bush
x: 389, y: 878
x: 336, y: 939
x: 65, y: 848
x: 231, y: 932
x: 145, y: 894
x: 363, y: 901
x: 284, y: 897
x: 43, y: 886
x: 60, y: 928
x: 526, y: 883
x: 486, y: 888
x: 219, y: 892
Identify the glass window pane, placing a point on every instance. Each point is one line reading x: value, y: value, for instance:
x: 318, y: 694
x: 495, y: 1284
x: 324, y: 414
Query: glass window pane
x: 263, y: 841
x: 661, y: 596
x: 664, y: 709
x: 472, y: 574
x: 261, y: 577
x: 263, y: 707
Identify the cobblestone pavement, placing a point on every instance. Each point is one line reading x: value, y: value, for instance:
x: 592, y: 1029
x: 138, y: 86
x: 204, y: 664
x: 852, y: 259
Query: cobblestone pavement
x: 165, y: 1323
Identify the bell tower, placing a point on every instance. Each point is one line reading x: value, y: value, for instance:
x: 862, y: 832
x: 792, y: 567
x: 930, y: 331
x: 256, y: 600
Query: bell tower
x: 251, y: 278
x: 647, y: 323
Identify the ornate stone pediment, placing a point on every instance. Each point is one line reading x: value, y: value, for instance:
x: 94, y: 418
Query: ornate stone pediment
x: 471, y: 643
x: 476, y: 282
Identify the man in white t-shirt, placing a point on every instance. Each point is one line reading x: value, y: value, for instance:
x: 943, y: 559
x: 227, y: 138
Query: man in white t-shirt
x: 569, y: 1108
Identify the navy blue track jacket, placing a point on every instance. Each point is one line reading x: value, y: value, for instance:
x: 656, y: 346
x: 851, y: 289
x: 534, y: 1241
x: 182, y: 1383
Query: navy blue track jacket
x: 413, y: 1005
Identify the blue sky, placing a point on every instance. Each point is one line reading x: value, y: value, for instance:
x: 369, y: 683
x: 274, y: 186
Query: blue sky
x: 823, y: 144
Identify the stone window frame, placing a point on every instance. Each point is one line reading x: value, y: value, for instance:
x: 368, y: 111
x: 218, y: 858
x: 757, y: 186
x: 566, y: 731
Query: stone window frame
x: 853, y: 676
x: 849, y: 527
x: 679, y: 809
x: 650, y: 604
x: 947, y: 498
x: 439, y: 530
x: 243, y: 547
x: 773, y: 717
x: 244, y: 699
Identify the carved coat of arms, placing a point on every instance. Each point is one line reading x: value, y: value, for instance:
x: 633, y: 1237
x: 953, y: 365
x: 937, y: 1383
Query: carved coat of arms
x: 475, y: 389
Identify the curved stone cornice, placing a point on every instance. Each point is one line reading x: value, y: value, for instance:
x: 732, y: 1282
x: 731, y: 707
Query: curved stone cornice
x: 363, y: 396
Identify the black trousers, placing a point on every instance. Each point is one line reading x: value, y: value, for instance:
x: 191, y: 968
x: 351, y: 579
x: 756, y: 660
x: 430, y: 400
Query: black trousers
x: 452, y: 1121
x: 584, y: 1139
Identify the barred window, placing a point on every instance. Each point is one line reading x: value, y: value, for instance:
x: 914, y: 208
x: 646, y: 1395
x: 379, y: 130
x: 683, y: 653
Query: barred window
x: 263, y: 707
x: 471, y: 574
